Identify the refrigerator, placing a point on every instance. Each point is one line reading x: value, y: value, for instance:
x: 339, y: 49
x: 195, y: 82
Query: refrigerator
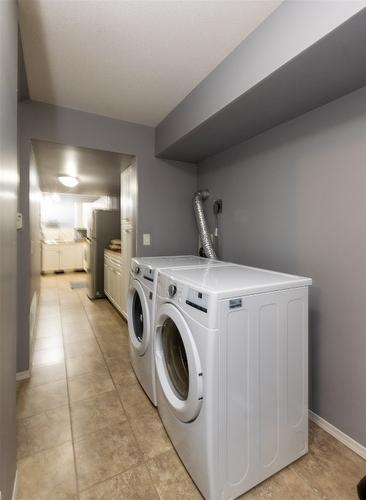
x: 104, y: 226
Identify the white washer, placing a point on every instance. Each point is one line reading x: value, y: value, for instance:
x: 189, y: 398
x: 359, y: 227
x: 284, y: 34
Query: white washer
x: 232, y: 373
x: 141, y: 310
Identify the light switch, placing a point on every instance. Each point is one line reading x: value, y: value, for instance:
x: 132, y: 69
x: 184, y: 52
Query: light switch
x: 146, y: 239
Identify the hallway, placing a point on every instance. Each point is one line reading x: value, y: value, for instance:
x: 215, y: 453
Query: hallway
x: 86, y: 430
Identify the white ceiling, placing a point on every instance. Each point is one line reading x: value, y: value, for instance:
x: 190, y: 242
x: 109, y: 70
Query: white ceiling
x: 98, y: 171
x: 133, y: 60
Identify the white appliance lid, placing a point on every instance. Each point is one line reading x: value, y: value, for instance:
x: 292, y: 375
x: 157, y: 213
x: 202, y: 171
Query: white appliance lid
x: 177, y: 261
x: 226, y: 280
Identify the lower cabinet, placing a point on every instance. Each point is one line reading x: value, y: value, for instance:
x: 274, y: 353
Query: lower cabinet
x: 62, y: 257
x: 50, y: 258
x: 113, y: 280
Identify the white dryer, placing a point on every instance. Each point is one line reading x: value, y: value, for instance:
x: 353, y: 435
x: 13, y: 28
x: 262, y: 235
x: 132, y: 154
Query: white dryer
x: 232, y: 373
x: 141, y: 310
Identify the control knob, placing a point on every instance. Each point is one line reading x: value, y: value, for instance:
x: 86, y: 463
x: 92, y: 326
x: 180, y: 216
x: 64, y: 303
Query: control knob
x: 137, y: 270
x: 172, y: 290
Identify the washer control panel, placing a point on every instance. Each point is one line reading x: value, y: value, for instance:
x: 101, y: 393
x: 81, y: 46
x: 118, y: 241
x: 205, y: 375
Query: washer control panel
x: 147, y: 273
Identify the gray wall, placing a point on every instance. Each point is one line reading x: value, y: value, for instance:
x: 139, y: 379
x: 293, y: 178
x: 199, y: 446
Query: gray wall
x: 28, y: 255
x: 294, y: 200
x: 8, y: 271
x: 165, y: 187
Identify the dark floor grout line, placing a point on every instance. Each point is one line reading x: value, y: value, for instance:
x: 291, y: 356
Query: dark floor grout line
x: 69, y: 402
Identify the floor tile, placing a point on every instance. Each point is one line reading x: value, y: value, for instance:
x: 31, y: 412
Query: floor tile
x: 72, y: 333
x: 47, y: 314
x: 48, y: 328
x: 42, y: 431
x: 134, y: 400
x: 86, y: 363
x: 134, y: 484
x: 105, y: 453
x: 33, y: 400
x: 171, y: 479
x: 48, y: 475
x: 80, y: 347
x: 46, y: 374
x: 48, y: 356
x: 121, y: 372
x: 330, y: 468
x: 150, y: 435
x: 74, y: 319
x: 282, y: 486
x: 89, y: 385
x: 96, y: 413
x: 111, y: 348
x: 52, y: 342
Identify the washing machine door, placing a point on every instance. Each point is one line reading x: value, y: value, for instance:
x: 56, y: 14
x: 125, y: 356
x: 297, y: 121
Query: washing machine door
x: 138, y: 318
x: 178, y: 365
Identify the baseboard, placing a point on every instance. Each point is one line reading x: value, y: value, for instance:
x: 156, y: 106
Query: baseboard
x: 22, y: 375
x: 336, y: 433
x: 15, y: 487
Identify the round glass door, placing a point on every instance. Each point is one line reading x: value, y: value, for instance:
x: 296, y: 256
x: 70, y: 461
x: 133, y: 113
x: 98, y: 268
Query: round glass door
x: 177, y: 364
x: 175, y: 357
x: 138, y: 318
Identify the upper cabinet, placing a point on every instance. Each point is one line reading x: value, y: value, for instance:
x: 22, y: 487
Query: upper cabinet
x: 129, y: 195
x: 128, y: 225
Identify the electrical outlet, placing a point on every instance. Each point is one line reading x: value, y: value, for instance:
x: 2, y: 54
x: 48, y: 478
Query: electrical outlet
x: 146, y: 239
x: 19, y: 226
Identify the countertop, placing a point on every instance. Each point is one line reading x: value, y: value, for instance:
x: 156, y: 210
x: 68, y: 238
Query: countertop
x: 62, y: 242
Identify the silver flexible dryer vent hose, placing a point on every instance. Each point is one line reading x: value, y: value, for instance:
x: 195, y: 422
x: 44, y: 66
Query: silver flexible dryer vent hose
x: 198, y: 198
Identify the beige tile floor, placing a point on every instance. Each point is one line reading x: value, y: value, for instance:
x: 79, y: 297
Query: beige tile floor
x: 87, y: 431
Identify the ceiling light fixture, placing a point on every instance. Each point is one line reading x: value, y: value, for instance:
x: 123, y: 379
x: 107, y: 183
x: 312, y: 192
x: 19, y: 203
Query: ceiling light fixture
x: 68, y: 180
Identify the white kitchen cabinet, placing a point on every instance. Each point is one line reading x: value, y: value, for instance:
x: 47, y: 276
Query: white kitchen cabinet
x: 124, y: 287
x: 113, y: 279
x: 62, y: 256
x: 50, y: 258
x: 71, y: 256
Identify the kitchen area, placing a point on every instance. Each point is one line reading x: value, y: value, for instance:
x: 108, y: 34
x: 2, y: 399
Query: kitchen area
x: 87, y: 218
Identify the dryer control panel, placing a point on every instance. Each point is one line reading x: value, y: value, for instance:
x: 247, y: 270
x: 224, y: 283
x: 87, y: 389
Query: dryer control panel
x: 197, y: 299
x: 196, y: 303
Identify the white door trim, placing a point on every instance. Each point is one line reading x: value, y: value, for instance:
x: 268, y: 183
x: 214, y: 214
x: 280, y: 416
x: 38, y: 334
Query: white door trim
x: 22, y: 375
x: 15, y: 486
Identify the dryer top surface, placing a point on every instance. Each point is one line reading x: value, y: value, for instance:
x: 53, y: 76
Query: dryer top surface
x: 235, y: 279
